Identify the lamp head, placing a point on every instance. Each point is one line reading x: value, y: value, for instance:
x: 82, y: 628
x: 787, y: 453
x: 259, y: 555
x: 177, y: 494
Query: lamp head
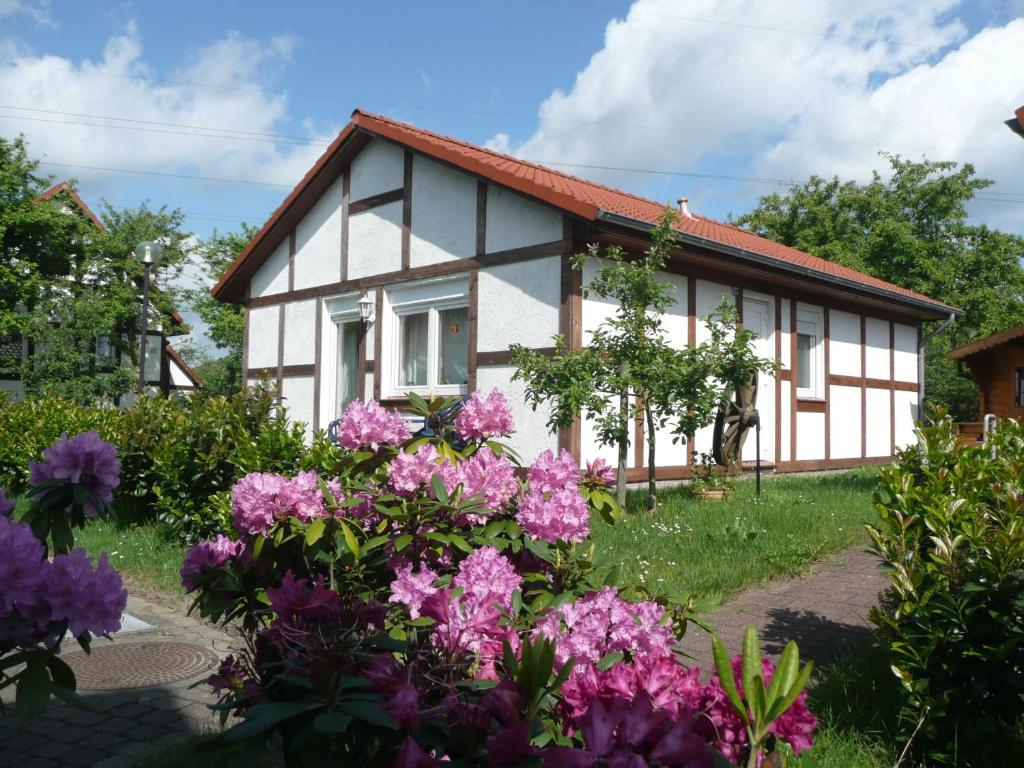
x: 148, y: 252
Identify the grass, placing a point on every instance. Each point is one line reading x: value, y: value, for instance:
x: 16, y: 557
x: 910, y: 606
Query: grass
x: 720, y: 547
x: 143, y: 552
x: 183, y: 752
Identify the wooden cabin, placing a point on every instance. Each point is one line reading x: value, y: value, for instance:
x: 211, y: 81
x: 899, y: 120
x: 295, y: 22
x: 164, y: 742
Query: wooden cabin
x: 997, y: 364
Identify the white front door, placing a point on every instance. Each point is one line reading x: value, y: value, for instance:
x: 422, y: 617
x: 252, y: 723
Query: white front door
x: 758, y: 317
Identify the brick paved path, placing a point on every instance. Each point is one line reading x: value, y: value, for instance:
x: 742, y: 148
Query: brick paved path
x: 825, y: 611
x: 127, y: 723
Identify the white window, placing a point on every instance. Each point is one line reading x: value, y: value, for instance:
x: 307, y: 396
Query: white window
x: 426, y: 338
x: 810, y: 357
x: 343, y: 335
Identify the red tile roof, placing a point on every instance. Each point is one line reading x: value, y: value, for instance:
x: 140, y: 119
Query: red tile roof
x: 66, y: 189
x: 578, y: 196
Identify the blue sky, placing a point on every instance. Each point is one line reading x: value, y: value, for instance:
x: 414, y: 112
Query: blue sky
x: 763, y: 91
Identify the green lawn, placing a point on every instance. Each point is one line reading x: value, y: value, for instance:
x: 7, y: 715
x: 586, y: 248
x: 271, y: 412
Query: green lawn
x: 144, y: 552
x: 720, y: 547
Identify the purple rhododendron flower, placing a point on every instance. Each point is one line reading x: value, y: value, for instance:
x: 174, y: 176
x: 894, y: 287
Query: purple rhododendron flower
x: 21, y: 568
x: 298, y: 601
x: 599, y: 472
x: 208, y: 555
x: 369, y: 425
x: 411, y: 590
x: 90, y: 600
x: 6, y: 505
x: 261, y: 498
x: 548, y: 474
x: 484, y: 417
x: 562, y: 515
x: 490, y: 477
x: 84, y: 460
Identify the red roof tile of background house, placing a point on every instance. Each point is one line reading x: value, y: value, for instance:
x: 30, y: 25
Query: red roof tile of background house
x: 569, y: 193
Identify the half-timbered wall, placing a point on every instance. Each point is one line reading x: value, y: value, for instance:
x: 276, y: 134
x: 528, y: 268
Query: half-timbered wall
x: 857, y: 405
x: 391, y: 221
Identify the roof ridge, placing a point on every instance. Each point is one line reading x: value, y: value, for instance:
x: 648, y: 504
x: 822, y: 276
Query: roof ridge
x: 513, y: 158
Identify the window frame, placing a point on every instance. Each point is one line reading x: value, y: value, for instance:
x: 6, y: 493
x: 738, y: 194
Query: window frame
x: 431, y: 297
x: 338, y: 311
x: 811, y: 322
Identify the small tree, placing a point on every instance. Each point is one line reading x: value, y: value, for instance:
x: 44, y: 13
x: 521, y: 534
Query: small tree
x: 628, y: 370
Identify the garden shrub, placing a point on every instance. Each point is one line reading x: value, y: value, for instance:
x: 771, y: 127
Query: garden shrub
x: 413, y: 603
x: 176, y: 453
x: 951, y: 532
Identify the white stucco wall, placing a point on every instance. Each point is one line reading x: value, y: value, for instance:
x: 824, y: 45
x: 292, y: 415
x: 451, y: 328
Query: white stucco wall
x: 379, y: 167
x: 297, y: 392
x: 515, y: 222
x: 785, y: 424
x: 375, y: 241
x: 906, y: 413
x: 709, y: 296
x: 443, y: 214
x: 844, y: 344
x: 263, y: 337
x: 318, y: 241
x: 905, y: 358
x: 531, y: 436
x: 299, y: 332
x: 272, y: 276
x: 877, y: 353
x: 844, y: 440
x: 519, y: 303
x: 178, y: 376
x: 810, y: 435
x: 878, y: 424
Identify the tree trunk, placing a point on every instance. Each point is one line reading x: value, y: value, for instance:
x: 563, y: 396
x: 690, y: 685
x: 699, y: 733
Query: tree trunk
x: 620, y: 472
x: 652, y: 487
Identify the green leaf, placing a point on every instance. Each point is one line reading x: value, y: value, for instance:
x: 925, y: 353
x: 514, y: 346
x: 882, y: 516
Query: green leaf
x: 316, y: 528
x: 33, y: 689
x: 61, y: 673
x: 728, y: 681
x: 752, y: 669
x: 440, y: 492
x: 331, y: 722
x: 609, y: 660
x: 350, y: 538
x: 369, y: 713
x: 785, y: 672
x: 786, y: 700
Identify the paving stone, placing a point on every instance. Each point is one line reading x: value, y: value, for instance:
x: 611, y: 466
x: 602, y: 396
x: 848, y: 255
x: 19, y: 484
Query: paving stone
x: 32, y: 762
x: 106, y: 740
x: 83, y: 756
x: 148, y: 731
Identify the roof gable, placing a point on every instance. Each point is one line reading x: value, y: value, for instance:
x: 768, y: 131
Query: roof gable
x: 64, y: 189
x: 580, y: 197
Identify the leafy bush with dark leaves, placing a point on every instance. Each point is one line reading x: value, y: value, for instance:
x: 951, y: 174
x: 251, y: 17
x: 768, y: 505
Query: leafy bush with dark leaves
x: 951, y: 531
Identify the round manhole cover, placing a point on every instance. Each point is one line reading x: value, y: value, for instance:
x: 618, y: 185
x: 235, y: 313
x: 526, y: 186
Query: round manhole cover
x: 139, y: 665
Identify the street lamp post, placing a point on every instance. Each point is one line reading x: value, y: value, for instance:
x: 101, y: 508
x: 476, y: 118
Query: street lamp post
x: 148, y: 252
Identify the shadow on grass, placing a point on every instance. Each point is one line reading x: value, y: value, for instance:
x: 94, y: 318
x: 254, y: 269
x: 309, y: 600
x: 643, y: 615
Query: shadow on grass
x: 818, y: 637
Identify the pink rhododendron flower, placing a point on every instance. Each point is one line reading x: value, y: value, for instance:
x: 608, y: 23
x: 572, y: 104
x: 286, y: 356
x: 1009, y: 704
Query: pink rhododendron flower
x: 370, y: 425
x: 562, y: 515
x: 484, y: 417
x: 6, y: 505
x: 489, y: 477
x: 411, y: 590
x: 84, y: 460
x: 208, y: 555
x: 409, y: 472
x: 548, y: 474
x: 725, y: 729
x: 487, y: 577
x: 261, y: 498
x: 599, y: 472
x: 298, y: 601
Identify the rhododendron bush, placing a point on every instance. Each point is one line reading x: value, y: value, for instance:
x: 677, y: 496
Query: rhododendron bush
x: 417, y: 600
x: 48, y: 589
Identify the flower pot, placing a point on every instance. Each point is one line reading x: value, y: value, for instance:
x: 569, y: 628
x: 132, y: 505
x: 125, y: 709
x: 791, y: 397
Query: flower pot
x: 711, y: 494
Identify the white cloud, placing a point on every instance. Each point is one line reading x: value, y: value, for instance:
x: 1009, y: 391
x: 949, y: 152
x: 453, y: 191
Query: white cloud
x: 37, y: 10
x: 121, y: 84
x: 783, y: 89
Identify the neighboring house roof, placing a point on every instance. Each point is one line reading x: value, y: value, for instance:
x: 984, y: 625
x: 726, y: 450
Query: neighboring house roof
x: 175, y: 355
x: 988, y: 343
x: 586, y: 199
x: 1016, y: 123
x: 65, y: 188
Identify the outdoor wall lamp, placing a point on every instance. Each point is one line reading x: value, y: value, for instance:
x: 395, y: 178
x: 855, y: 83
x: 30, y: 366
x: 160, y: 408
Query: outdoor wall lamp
x: 366, y: 306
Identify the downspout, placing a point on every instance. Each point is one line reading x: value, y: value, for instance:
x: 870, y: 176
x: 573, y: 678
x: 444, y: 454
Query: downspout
x: 950, y: 319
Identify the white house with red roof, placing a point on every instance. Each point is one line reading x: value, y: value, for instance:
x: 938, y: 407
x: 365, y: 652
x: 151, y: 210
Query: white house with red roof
x: 457, y: 252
